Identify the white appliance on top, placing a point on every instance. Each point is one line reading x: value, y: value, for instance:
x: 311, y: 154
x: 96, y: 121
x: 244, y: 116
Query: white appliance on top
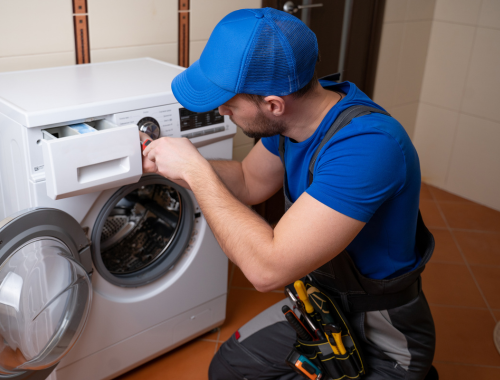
x: 101, y: 268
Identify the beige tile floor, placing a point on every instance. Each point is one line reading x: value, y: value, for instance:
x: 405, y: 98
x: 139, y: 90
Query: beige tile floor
x: 461, y: 282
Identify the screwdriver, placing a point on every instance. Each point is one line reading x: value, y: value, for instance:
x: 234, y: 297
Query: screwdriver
x: 297, y: 325
x: 300, y: 306
x: 144, y: 144
x: 320, y: 304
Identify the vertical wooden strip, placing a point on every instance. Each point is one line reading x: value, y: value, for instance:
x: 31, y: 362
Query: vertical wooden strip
x: 183, y: 39
x: 82, y: 40
x: 79, y: 6
x: 80, y: 18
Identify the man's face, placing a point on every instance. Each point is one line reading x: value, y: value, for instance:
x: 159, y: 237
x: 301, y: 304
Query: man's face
x: 250, y: 117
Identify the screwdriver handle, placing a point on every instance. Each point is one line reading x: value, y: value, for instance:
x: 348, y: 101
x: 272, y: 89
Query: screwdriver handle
x: 144, y: 144
x: 320, y: 304
x: 296, y: 324
x: 300, y: 288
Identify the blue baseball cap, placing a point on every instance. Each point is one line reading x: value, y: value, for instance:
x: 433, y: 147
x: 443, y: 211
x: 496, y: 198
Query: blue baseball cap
x: 251, y: 51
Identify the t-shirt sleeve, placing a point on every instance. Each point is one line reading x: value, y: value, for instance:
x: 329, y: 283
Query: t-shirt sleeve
x: 272, y: 144
x: 358, y: 172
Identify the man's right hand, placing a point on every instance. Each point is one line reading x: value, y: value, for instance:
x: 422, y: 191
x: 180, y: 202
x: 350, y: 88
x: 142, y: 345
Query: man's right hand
x: 148, y: 166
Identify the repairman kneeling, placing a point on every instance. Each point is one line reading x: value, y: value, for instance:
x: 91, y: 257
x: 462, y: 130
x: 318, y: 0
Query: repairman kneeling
x: 352, y: 225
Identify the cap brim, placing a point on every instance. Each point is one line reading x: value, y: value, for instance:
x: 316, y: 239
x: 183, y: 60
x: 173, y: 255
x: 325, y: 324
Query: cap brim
x: 196, y: 92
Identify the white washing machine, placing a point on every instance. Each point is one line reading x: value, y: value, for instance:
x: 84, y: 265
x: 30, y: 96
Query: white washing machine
x: 101, y: 268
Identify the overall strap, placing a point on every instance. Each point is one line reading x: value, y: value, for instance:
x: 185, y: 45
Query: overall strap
x: 340, y: 122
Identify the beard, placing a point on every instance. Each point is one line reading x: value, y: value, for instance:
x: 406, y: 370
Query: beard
x: 261, y: 126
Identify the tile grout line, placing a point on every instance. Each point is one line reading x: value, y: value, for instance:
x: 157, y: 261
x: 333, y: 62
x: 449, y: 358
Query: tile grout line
x: 463, y: 256
x: 467, y: 364
x: 217, y: 343
x: 459, y: 111
x: 460, y: 229
x: 459, y: 307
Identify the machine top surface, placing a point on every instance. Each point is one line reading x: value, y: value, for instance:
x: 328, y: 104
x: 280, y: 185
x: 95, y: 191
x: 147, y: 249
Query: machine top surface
x: 81, y: 92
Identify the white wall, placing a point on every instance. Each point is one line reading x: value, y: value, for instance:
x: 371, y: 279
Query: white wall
x: 402, y: 56
x: 457, y: 130
x: 35, y: 34
x: 123, y: 29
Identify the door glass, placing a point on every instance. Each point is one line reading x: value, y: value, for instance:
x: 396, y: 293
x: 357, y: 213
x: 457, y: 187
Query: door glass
x: 45, y: 298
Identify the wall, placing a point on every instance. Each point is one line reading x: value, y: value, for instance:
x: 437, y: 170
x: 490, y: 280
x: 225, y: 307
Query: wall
x: 204, y: 16
x: 457, y: 131
x: 403, y: 50
x: 35, y: 34
x: 123, y: 29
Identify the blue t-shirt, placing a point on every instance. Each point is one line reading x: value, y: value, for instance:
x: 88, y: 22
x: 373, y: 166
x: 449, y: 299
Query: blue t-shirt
x: 369, y: 171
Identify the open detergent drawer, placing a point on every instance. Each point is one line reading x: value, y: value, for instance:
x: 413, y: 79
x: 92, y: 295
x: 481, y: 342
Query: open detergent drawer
x: 84, y: 158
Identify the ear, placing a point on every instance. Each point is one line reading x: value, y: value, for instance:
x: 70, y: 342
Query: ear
x: 274, y: 105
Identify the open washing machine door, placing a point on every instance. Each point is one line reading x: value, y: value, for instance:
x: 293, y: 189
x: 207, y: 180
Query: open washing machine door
x: 45, y: 291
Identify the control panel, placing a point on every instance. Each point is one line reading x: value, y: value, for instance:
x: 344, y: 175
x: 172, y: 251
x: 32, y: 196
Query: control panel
x: 176, y: 121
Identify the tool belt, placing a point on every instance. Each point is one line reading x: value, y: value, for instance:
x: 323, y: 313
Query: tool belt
x: 334, y: 351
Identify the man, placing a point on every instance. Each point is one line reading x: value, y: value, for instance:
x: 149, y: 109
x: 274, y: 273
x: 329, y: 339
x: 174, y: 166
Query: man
x: 258, y: 68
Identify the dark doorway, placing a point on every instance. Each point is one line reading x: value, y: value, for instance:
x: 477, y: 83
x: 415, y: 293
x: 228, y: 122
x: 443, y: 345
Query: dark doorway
x: 362, y: 42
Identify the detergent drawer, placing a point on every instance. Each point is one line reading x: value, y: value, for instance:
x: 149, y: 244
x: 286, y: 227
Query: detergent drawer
x: 84, y: 158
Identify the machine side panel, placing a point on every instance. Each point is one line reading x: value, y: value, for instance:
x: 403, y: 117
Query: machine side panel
x: 13, y: 167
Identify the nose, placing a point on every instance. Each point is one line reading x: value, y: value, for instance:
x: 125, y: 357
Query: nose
x: 225, y: 111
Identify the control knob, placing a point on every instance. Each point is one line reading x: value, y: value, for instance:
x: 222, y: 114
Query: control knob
x: 149, y: 126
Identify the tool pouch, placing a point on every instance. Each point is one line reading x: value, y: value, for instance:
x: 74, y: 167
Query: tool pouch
x: 337, y: 366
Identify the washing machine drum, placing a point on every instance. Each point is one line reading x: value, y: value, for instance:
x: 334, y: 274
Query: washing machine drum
x: 45, y: 292
x: 142, y: 231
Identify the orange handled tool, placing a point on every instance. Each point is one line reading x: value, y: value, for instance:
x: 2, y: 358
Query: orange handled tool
x: 144, y: 144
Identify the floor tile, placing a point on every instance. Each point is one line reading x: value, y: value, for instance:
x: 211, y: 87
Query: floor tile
x: 450, y: 284
x: 243, y: 305
x: 442, y: 195
x: 497, y: 314
x: 177, y: 364
x: 464, y: 336
x: 456, y: 371
x: 470, y: 216
x: 239, y: 279
x: 425, y: 194
x: 211, y: 335
x: 446, y: 249
x: 431, y: 215
x: 489, y: 282
x: 479, y: 247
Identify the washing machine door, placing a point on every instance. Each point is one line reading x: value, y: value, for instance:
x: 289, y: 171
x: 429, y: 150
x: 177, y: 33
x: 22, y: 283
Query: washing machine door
x: 45, y: 291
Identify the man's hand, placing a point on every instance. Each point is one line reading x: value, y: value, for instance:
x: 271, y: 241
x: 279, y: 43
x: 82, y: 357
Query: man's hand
x: 174, y: 158
x: 148, y: 166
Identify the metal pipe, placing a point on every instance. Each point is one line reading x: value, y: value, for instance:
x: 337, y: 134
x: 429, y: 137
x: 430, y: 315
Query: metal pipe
x: 346, y: 26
